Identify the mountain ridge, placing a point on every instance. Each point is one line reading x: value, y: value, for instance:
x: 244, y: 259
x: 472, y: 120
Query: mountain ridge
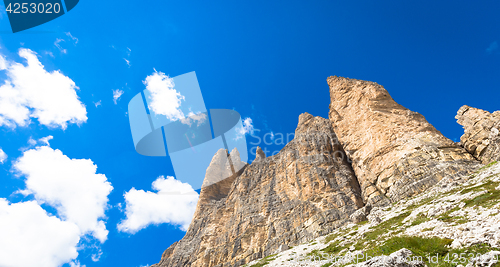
x: 368, y: 154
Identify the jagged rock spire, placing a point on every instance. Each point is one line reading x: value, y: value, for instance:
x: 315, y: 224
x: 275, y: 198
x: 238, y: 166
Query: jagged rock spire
x: 259, y: 154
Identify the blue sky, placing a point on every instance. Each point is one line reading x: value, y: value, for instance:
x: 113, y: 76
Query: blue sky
x: 268, y: 60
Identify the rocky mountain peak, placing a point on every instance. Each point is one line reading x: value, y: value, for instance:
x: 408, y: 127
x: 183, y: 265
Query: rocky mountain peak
x: 395, y: 152
x: 335, y: 172
x: 306, y: 190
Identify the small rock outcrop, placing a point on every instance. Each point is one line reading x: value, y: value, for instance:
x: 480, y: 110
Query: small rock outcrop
x: 396, y: 153
x: 305, y: 191
x: 481, y: 133
x: 259, y: 154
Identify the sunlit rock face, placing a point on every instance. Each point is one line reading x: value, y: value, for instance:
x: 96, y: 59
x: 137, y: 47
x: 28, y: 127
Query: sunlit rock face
x: 396, y: 153
x: 482, y: 133
x: 305, y: 191
x: 370, y: 152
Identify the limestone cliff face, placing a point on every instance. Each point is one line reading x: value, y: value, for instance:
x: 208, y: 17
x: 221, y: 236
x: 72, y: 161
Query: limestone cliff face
x: 482, y: 133
x: 370, y: 152
x: 396, y: 153
x: 305, y: 191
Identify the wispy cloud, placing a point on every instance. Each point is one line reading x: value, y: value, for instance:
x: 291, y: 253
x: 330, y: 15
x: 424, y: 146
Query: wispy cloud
x: 32, y: 142
x: 247, y: 128
x: 492, y: 48
x: 74, y: 39
x: 49, y: 54
x: 3, y: 156
x: 128, y: 62
x: 58, y: 45
x: 59, y: 41
x: 45, y: 140
x: 116, y: 95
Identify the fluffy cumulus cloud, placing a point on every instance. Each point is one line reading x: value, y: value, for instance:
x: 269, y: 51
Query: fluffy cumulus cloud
x: 247, y: 128
x: 30, y: 91
x: 173, y: 202
x: 116, y: 95
x: 72, y: 186
x: 3, y: 156
x: 31, y: 237
x: 166, y: 100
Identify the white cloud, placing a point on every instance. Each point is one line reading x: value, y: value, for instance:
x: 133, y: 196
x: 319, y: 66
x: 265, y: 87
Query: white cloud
x: 56, y: 43
x: 192, y: 117
x: 32, y: 142
x: 95, y: 257
x: 74, y: 39
x: 245, y: 129
x: 117, y: 94
x: 45, y: 140
x: 3, y: 63
x: 3, y: 156
x: 31, y: 237
x: 128, y: 62
x: 174, y: 203
x: 71, y: 186
x: 166, y: 100
x: 98, y: 103
x: 32, y: 92
x: 75, y: 264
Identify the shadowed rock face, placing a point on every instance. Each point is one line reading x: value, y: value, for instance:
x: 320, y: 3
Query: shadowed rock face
x: 481, y: 133
x: 396, y: 153
x: 303, y: 192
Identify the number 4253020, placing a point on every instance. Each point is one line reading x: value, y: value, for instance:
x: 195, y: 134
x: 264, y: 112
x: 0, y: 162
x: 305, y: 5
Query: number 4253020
x: 23, y: 8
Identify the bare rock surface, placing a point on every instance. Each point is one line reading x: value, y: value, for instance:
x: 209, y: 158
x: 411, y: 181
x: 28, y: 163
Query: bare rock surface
x: 481, y: 133
x: 464, y: 211
x: 396, y: 153
x: 305, y: 191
